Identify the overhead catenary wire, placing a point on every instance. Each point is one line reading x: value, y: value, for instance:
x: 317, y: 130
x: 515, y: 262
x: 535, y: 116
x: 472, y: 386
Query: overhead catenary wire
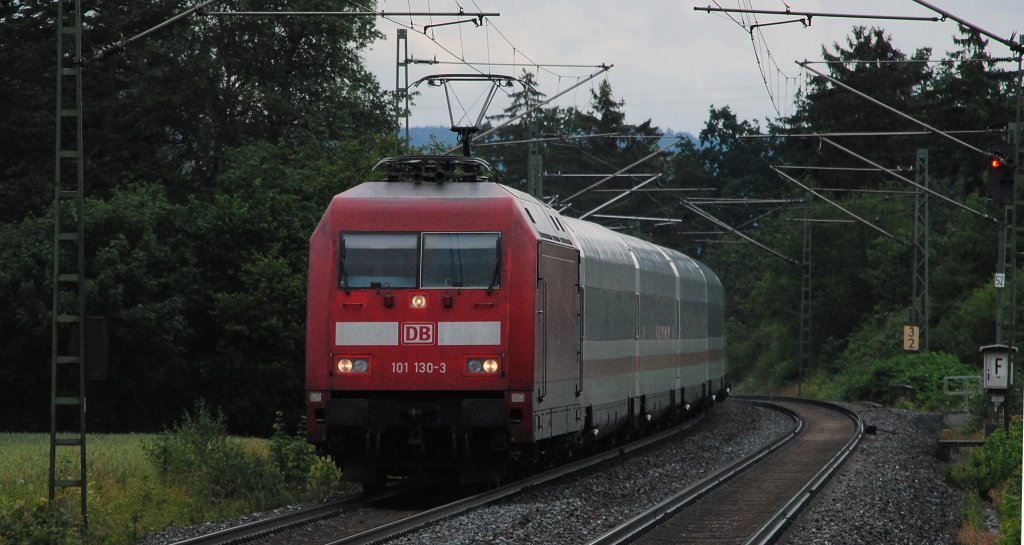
x: 704, y: 214
x: 542, y: 65
x: 914, y: 61
x: 809, y: 15
x: 346, y: 13
x: 1016, y: 47
x: 836, y: 205
x: 757, y: 44
x: 122, y: 44
x: 412, y: 26
x: 621, y: 195
x: 868, y: 133
x: 908, y: 180
x: 475, y: 66
x: 604, y: 68
x: 893, y: 110
x: 644, y: 159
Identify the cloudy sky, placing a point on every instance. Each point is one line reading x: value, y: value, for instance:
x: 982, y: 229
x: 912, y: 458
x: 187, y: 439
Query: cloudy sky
x: 671, y: 63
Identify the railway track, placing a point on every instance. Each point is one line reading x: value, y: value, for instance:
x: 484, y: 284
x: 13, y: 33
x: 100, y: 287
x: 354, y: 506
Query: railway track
x: 735, y: 506
x: 283, y: 524
x: 732, y: 505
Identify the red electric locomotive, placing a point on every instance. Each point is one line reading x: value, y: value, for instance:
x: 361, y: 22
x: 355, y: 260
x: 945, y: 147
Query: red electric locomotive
x: 457, y: 326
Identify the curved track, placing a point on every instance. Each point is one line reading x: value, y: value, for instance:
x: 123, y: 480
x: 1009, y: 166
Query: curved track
x: 752, y: 507
x: 284, y: 523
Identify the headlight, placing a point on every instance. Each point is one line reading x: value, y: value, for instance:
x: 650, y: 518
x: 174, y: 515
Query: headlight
x: 418, y: 301
x: 352, y: 365
x: 482, y: 365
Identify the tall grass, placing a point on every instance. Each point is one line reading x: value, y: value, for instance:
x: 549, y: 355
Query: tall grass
x: 125, y: 496
x: 142, y: 484
x: 993, y: 472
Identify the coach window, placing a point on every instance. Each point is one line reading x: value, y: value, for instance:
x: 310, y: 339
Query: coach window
x: 378, y: 260
x: 461, y: 260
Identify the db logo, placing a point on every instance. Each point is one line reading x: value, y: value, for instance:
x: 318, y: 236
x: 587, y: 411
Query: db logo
x: 417, y: 333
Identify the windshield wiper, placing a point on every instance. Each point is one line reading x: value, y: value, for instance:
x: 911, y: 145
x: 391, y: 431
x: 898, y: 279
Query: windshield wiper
x: 497, y: 266
x: 342, y: 273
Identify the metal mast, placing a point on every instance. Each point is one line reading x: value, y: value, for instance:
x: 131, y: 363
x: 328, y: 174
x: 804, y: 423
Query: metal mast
x: 67, y: 363
x: 534, y: 158
x: 402, y: 91
x: 1006, y: 322
x: 805, y: 301
x: 919, y: 310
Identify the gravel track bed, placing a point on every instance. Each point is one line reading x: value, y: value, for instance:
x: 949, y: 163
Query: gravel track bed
x: 892, y: 490
x: 584, y: 506
x: 571, y: 510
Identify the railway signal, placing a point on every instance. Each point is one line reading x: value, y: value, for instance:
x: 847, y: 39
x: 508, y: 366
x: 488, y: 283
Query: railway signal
x: 1001, y: 166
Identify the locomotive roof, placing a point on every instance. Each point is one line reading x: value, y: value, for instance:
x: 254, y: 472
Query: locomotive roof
x: 428, y: 190
x: 611, y: 241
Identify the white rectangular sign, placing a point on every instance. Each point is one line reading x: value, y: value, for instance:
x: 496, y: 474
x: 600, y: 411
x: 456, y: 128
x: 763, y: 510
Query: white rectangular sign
x: 997, y: 371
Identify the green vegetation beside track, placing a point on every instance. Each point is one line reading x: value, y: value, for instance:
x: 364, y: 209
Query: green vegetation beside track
x: 141, y: 484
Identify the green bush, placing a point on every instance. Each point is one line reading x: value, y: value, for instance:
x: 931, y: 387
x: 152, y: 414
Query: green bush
x: 914, y: 379
x: 292, y: 455
x: 305, y: 474
x: 324, y: 478
x: 1009, y: 512
x: 43, y: 522
x: 199, y: 452
x: 992, y: 464
x: 995, y: 467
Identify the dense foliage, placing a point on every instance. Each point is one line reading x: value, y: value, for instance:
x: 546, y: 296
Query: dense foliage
x: 140, y: 484
x: 40, y: 522
x: 206, y: 173
x: 198, y: 453
x: 994, y: 471
x: 213, y: 148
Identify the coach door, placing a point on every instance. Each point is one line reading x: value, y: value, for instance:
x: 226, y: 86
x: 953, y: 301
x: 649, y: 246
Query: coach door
x: 557, y: 363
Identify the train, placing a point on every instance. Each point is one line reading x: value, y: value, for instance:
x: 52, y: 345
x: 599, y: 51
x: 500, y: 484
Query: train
x: 458, y: 328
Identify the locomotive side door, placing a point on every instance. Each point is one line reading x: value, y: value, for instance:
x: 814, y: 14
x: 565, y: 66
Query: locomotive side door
x: 557, y: 341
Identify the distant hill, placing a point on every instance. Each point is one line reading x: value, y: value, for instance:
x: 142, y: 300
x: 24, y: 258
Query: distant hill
x: 671, y: 137
x: 421, y: 136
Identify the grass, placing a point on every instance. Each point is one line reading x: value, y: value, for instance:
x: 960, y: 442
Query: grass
x: 127, y: 496
x: 141, y: 484
x: 992, y: 472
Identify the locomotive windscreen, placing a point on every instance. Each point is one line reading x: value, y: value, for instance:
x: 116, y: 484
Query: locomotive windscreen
x: 378, y: 260
x: 393, y: 260
x: 459, y: 260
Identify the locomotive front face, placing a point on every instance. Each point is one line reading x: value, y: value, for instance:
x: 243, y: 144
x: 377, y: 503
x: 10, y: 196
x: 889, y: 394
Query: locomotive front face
x: 417, y: 311
x: 407, y: 342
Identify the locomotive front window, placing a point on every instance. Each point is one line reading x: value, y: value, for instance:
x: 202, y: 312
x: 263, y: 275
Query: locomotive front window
x: 461, y: 260
x: 378, y: 260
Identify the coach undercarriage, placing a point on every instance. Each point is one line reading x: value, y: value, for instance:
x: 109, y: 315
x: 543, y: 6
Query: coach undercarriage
x: 458, y: 439
x: 425, y: 437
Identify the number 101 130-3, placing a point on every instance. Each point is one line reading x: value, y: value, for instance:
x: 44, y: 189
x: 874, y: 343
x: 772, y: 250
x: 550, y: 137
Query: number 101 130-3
x: 419, y: 367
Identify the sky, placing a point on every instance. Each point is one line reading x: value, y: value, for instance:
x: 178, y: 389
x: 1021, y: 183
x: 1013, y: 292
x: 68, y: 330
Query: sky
x: 670, y: 63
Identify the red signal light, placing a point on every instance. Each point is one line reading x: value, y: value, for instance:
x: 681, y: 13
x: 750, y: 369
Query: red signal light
x: 995, y: 162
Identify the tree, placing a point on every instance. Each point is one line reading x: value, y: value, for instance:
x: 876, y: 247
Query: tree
x: 173, y: 103
x: 511, y: 159
x: 872, y: 65
x: 26, y: 106
x: 968, y: 93
x: 206, y: 172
